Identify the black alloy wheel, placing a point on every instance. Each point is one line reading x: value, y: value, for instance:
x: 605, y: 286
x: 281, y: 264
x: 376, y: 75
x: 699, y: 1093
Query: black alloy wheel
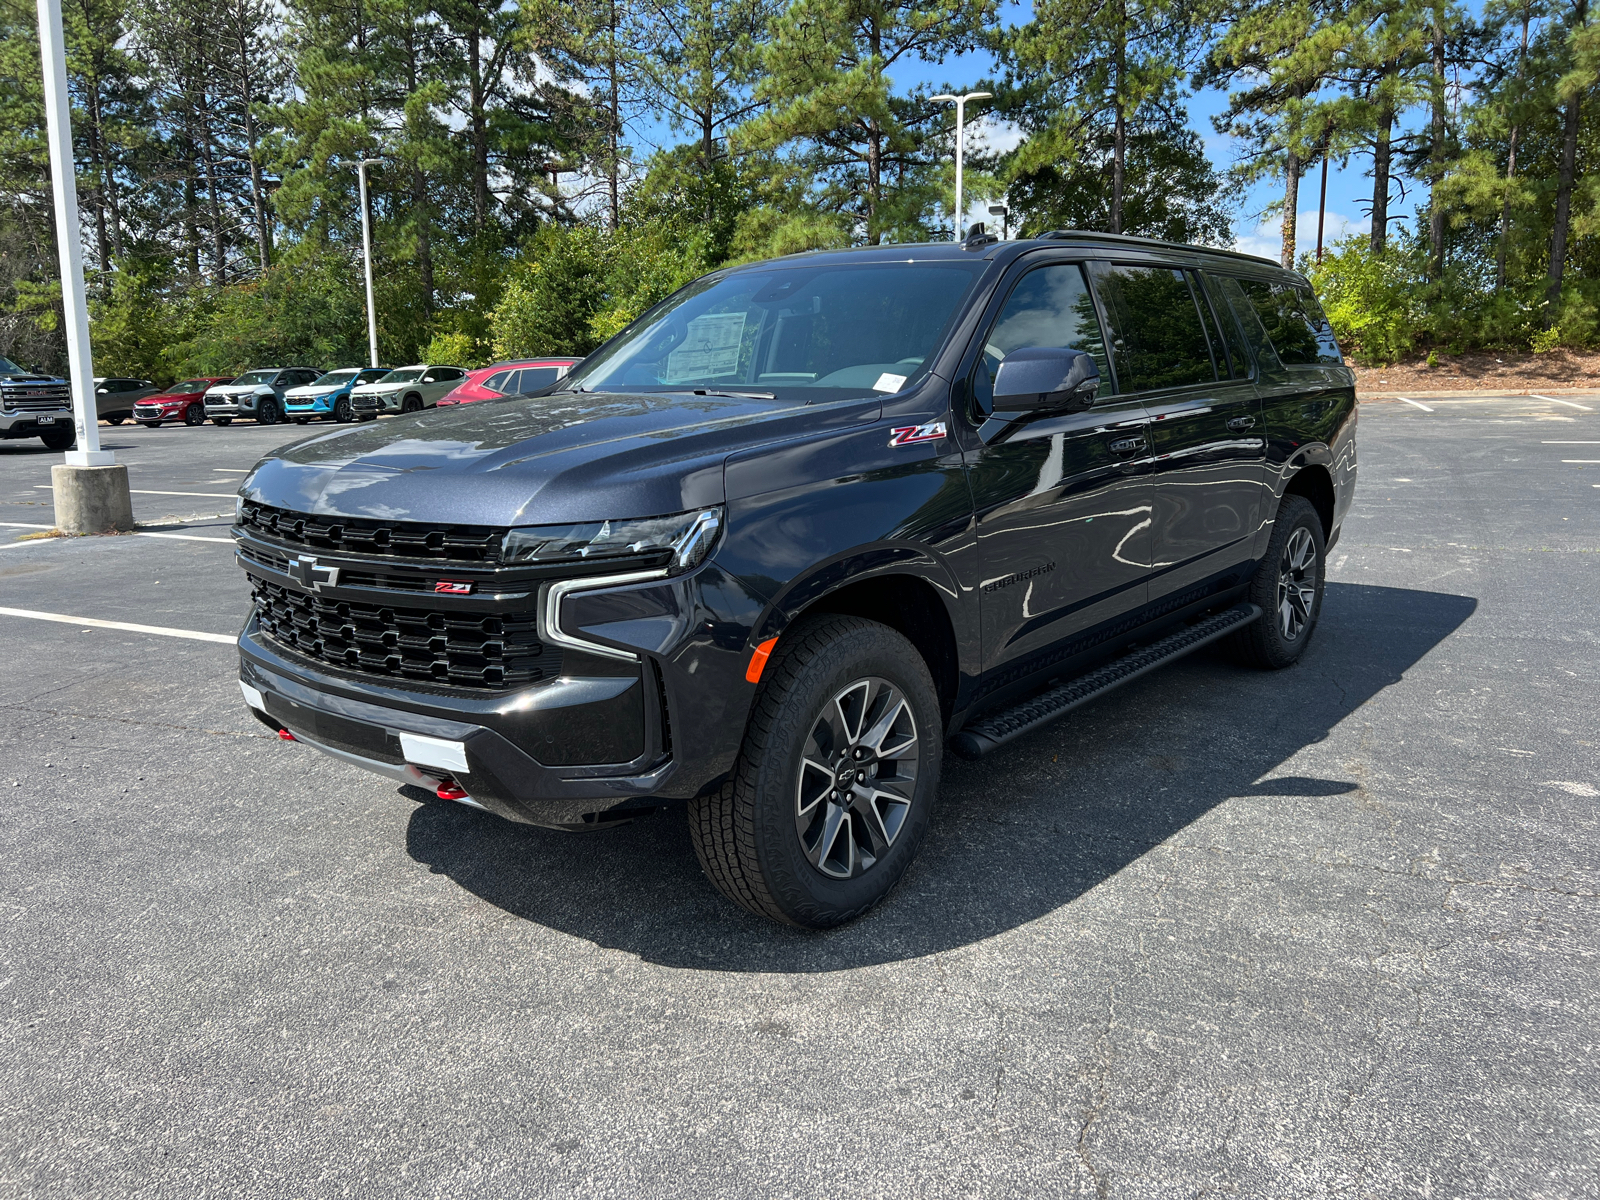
x: 59, y: 439
x: 194, y: 415
x: 834, y: 786
x: 342, y: 412
x: 411, y: 404
x: 1288, y: 585
x: 267, y: 412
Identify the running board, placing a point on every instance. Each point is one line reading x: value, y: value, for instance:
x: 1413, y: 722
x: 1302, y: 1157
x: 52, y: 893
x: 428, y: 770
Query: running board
x: 996, y: 729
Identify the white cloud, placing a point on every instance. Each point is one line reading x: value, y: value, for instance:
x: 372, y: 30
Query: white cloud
x: 1266, y: 239
x: 994, y: 134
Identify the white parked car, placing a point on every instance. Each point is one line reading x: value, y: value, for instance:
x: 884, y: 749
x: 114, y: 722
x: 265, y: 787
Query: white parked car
x: 405, y: 389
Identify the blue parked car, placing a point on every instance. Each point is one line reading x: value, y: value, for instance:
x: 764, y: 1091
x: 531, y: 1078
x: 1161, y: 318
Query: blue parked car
x: 329, y: 396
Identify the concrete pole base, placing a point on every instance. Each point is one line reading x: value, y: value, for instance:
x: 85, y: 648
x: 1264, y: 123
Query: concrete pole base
x: 92, y: 499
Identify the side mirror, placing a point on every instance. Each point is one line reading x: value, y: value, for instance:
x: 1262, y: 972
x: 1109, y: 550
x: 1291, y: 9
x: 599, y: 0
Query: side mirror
x: 102, y: 391
x: 1045, y: 379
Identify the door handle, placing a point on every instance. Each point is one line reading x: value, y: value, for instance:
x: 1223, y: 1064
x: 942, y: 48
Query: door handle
x: 1127, y: 445
x: 1238, y: 424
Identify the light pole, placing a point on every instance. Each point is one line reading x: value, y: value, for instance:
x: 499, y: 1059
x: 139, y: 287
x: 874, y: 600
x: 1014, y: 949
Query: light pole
x: 961, y: 113
x: 366, y: 253
x: 91, y: 490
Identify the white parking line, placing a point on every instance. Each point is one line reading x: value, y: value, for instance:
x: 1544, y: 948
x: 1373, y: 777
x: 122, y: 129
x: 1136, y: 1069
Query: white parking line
x: 186, y: 537
x: 61, y: 619
x: 1569, y: 443
x: 1413, y: 404
x: 1581, y: 460
x: 30, y: 542
x: 22, y: 525
x: 146, y: 492
x: 230, y: 470
x: 1558, y: 400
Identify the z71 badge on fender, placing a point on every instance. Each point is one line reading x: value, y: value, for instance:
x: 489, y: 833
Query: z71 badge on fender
x: 933, y: 431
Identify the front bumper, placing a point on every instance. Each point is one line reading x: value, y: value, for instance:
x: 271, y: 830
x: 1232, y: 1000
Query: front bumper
x: 233, y: 406
x: 32, y: 424
x: 299, y: 406
x: 376, y: 404
x: 479, y: 742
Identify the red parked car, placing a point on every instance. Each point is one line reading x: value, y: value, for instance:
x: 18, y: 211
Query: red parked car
x: 509, y: 379
x: 181, y: 402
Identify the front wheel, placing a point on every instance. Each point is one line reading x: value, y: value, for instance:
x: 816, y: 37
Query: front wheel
x: 267, y: 413
x: 411, y: 404
x: 834, y: 786
x: 1288, y: 586
x: 342, y: 412
x: 59, y: 439
x: 194, y: 415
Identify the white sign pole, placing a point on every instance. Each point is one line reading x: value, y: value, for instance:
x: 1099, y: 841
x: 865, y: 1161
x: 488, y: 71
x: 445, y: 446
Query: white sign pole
x: 961, y: 120
x: 63, y: 179
x: 366, y: 251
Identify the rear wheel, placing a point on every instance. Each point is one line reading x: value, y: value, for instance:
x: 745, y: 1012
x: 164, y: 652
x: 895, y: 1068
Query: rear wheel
x: 194, y: 415
x: 342, y: 412
x: 834, y: 786
x: 267, y: 413
x: 1288, y: 586
x: 411, y: 404
x: 59, y: 439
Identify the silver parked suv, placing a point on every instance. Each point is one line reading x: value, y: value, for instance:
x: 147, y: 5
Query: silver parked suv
x: 405, y: 389
x: 257, y: 394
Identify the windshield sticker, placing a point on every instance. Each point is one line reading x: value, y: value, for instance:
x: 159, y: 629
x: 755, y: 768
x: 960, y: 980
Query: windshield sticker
x: 889, y: 383
x: 710, y: 348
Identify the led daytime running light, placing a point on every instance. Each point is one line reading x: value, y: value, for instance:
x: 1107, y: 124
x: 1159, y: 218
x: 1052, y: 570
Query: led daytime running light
x: 686, y: 537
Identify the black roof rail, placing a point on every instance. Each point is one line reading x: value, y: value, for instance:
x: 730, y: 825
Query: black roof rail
x: 1063, y: 235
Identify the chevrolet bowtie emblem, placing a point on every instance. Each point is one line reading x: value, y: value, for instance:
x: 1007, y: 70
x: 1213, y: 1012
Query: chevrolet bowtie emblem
x: 306, y: 570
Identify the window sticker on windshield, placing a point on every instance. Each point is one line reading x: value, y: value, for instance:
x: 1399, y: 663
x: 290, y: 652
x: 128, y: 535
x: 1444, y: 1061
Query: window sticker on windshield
x: 710, y: 348
x: 889, y: 383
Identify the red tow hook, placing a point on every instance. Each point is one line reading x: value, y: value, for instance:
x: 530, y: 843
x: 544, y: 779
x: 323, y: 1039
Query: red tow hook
x: 286, y: 735
x: 449, y: 789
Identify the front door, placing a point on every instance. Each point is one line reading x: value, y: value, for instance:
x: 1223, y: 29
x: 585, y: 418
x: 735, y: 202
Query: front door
x: 1062, y: 502
x: 1207, y: 452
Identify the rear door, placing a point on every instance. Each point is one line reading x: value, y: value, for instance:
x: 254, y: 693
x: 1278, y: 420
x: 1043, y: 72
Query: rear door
x: 1062, y: 502
x: 1206, y: 447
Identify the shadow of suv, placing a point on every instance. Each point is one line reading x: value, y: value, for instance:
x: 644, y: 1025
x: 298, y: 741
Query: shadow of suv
x: 799, y: 527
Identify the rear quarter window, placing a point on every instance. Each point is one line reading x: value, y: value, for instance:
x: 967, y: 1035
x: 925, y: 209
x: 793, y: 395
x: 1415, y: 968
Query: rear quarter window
x: 1294, y: 322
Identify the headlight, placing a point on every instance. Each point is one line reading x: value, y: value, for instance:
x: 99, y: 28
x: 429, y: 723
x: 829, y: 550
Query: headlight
x: 679, y: 543
x: 238, y: 510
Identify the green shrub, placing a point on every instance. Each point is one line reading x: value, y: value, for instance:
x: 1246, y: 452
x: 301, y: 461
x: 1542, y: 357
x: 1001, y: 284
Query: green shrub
x: 1372, y: 300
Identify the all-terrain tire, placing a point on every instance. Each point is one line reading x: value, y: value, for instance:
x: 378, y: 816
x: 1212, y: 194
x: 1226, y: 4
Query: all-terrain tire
x: 745, y: 835
x: 59, y: 439
x: 1289, y: 592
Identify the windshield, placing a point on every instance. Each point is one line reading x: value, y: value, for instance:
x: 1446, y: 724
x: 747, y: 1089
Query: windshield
x: 403, y: 375
x: 333, y: 378
x: 257, y: 377
x: 788, y: 329
x: 190, y: 385
x: 7, y: 367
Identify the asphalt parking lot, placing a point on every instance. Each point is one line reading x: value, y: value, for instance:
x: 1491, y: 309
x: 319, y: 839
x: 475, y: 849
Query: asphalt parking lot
x: 1326, y: 932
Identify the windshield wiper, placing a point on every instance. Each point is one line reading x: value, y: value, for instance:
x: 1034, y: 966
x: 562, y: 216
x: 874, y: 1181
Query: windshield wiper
x: 735, y: 395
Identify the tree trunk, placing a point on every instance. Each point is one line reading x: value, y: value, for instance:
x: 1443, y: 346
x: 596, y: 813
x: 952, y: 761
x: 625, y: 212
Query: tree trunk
x: 1436, y: 151
x: 480, y: 142
x: 1511, y: 165
x: 614, y: 130
x: 1381, y: 153
x: 1291, y: 205
x: 1564, y: 180
x: 1119, y: 135
x: 875, y: 153
x: 423, y: 218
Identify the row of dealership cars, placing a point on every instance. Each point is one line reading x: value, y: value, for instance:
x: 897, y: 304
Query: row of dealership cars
x: 39, y: 405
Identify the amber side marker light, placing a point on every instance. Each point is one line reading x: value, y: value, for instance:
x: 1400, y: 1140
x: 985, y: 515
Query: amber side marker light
x: 758, y: 660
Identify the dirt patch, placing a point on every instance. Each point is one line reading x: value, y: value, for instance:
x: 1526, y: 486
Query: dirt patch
x: 1490, y: 370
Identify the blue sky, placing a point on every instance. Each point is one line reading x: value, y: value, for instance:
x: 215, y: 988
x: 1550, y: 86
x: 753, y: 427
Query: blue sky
x: 1349, y: 187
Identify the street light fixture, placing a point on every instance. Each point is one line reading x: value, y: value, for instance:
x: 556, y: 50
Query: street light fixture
x: 1004, y: 213
x: 366, y: 252
x: 961, y: 111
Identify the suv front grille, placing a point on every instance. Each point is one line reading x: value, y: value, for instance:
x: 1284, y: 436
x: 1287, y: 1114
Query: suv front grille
x: 37, y: 398
x: 390, y: 539
x: 472, y: 650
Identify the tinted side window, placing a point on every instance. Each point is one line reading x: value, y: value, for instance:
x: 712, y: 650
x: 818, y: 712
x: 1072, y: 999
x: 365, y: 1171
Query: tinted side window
x: 1159, y: 333
x: 1050, y: 306
x: 497, y: 382
x: 1219, y: 351
x: 1249, y: 318
x: 1243, y: 368
x: 1294, y: 322
x: 534, y: 378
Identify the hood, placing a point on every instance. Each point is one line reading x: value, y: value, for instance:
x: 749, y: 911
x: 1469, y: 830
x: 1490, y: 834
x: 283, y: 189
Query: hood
x: 167, y: 398
x: 310, y: 390
x: 567, y: 457
x: 238, y: 389
x: 387, y: 387
x: 22, y: 377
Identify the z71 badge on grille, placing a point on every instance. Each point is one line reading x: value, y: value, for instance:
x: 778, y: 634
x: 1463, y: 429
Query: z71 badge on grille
x: 453, y: 587
x: 933, y: 431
